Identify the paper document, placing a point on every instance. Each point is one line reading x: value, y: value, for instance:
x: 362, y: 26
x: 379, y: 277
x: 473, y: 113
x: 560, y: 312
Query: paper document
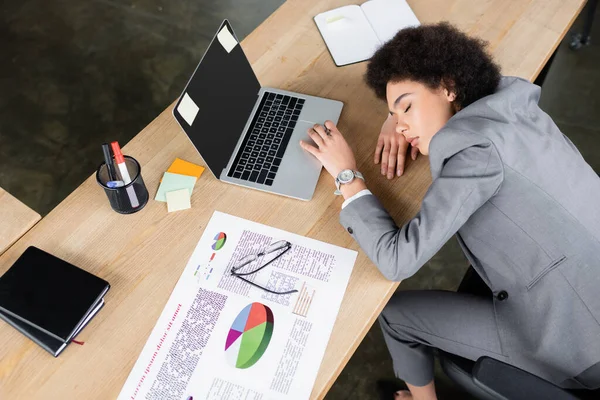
x: 220, y: 337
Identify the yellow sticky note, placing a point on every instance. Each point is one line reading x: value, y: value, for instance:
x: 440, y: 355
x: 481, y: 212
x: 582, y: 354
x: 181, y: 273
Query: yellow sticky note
x: 182, y: 167
x: 178, y: 200
x: 334, y: 19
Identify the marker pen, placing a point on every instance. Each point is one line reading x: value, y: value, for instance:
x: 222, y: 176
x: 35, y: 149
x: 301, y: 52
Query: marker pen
x: 108, y: 159
x: 115, y: 184
x: 124, y: 174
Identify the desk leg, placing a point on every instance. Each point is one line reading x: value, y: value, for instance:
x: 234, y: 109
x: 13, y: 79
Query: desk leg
x: 583, y: 39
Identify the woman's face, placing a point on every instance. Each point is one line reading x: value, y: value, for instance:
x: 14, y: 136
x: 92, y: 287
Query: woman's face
x: 420, y: 112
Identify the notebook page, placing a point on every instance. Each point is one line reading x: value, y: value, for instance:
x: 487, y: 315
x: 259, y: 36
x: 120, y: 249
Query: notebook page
x: 348, y: 34
x: 387, y: 17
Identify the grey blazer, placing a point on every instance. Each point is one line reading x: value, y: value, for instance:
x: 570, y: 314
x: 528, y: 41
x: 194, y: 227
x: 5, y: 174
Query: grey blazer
x: 526, y: 210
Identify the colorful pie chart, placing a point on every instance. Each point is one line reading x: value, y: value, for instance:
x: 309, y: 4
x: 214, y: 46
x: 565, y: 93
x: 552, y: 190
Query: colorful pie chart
x: 249, y: 336
x: 219, y: 241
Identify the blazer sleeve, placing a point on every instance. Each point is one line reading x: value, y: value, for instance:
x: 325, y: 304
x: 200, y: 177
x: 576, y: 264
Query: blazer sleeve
x: 468, y: 178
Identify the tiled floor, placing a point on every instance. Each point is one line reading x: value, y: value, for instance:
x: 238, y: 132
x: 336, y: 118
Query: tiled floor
x: 76, y: 74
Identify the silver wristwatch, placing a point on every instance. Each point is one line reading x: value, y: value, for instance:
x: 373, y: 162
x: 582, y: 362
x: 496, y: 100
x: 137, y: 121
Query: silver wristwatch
x: 344, y: 177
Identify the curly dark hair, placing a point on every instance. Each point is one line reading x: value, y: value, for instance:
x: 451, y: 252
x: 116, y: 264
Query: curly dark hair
x: 435, y: 55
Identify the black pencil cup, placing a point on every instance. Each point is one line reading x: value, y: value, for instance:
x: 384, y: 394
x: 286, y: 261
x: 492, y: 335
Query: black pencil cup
x: 129, y: 198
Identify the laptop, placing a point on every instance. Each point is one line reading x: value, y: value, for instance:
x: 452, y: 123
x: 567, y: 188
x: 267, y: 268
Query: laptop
x: 249, y: 135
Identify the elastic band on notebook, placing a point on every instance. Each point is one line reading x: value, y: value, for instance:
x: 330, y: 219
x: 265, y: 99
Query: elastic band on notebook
x: 77, y: 342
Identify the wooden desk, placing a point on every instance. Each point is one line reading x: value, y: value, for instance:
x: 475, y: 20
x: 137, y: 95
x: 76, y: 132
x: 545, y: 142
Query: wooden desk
x: 145, y: 257
x: 15, y: 220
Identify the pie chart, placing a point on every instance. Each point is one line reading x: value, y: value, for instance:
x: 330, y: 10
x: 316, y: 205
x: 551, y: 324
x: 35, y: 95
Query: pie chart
x: 249, y: 336
x: 219, y: 241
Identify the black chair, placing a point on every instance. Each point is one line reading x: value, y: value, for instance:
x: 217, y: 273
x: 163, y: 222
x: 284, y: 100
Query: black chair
x: 490, y: 379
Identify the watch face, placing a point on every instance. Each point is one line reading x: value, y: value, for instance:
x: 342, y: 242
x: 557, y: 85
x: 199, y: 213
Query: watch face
x: 346, y: 176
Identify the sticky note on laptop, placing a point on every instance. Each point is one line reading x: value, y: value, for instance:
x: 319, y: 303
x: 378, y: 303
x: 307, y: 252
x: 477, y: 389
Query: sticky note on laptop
x: 171, y: 182
x: 183, y: 167
x: 226, y: 39
x: 188, y: 109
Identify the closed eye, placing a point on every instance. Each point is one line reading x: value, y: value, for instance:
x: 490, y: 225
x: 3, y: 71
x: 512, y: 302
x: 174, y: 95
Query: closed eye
x: 408, y: 108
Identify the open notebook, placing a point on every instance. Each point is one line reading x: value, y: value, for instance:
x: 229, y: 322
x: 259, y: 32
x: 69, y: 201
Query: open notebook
x: 353, y: 33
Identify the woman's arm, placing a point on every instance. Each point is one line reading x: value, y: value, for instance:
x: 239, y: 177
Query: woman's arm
x: 468, y: 179
x: 471, y: 173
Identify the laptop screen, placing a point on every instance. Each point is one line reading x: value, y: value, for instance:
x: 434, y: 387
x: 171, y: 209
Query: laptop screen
x: 217, y: 101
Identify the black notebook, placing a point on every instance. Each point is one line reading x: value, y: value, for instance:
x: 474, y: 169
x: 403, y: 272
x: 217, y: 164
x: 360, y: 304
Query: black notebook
x: 47, y: 342
x: 49, y: 299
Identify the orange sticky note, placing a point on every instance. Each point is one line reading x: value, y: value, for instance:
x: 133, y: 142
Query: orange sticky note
x: 182, y: 167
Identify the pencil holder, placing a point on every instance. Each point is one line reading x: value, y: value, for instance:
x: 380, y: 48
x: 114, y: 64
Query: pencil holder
x: 124, y: 198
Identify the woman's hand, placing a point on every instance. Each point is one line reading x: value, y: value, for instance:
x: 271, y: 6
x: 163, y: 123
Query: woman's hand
x: 332, y: 149
x: 391, y: 149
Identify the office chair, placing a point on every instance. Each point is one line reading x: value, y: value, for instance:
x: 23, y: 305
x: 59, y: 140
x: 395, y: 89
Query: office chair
x: 490, y: 379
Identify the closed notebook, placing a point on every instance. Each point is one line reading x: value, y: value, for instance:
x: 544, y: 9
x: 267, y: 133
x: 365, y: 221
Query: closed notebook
x: 353, y: 33
x: 50, y: 294
x: 47, y: 342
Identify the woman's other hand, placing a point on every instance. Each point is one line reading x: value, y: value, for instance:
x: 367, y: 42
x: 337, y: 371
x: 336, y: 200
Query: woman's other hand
x: 392, y: 149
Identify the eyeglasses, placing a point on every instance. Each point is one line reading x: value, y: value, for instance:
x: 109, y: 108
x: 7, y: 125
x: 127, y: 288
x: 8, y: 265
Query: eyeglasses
x: 281, y: 246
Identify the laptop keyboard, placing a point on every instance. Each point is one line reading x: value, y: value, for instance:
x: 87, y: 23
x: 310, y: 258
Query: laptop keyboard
x: 261, y: 152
